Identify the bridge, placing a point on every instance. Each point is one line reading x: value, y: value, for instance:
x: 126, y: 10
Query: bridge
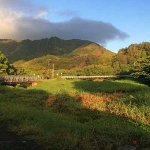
x: 32, y: 80
x: 19, y: 79
x: 96, y: 77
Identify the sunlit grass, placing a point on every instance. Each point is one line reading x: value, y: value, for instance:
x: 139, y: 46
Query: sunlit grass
x: 55, y: 86
x: 76, y: 114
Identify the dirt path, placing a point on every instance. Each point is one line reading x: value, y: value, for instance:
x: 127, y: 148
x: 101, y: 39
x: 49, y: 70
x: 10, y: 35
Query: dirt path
x: 11, y: 141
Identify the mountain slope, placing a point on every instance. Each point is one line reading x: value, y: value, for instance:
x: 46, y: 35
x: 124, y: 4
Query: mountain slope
x: 80, y: 57
x: 91, y: 54
x: 27, y: 49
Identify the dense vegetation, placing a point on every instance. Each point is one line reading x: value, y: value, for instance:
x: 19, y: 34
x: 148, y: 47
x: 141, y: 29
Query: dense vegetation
x: 83, y: 57
x: 142, y: 70
x: 27, y: 49
x: 5, y: 66
x: 74, y: 57
x: 126, y: 58
x: 83, y: 115
x: 65, y: 54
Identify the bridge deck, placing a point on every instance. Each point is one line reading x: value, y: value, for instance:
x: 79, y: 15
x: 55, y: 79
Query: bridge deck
x: 95, y: 77
x: 16, y: 79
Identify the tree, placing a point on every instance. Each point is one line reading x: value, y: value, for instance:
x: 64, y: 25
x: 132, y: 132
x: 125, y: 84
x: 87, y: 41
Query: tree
x: 3, y: 63
x: 142, y: 70
x: 5, y: 67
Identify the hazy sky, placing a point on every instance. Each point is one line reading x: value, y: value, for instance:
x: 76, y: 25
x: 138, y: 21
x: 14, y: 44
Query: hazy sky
x: 115, y: 24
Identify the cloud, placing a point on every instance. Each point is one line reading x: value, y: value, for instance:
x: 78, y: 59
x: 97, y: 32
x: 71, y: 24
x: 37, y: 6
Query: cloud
x: 41, y: 14
x: 26, y: 7
x: 7, y: 21
x: 77, y: 28
x: 17, y: 22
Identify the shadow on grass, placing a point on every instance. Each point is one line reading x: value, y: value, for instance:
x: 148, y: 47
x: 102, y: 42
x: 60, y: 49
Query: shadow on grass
x: 103, y: 128
x: 133, y: 128
x: 16, y: 104
x: 63, y: 122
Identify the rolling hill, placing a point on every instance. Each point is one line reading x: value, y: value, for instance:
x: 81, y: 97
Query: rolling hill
x: 82, y: 56
x: 27, y: 50
x: 65, y: 54
x: 39, y: 55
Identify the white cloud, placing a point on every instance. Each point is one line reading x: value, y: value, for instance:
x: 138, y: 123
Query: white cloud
x: 26, y: 7
x: 8, y: 15
x: 8, y: 19
x: 41, y: 14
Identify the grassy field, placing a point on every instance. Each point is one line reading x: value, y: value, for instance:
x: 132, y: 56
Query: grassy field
x: 79, y: 114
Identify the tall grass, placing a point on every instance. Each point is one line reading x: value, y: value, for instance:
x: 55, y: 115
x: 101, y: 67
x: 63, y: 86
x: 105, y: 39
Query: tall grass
x: 75, y: 114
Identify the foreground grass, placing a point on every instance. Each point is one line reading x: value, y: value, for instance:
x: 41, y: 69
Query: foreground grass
x: 63, y: 114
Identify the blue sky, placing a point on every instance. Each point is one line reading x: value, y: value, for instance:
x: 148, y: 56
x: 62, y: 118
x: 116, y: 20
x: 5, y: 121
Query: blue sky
x: 115, y: 24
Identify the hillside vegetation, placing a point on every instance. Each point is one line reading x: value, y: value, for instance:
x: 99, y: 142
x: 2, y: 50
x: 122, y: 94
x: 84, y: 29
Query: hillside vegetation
x: 126, y: 58
x: 83, y: 56
x: 27, y: 49
x: 72, y: 57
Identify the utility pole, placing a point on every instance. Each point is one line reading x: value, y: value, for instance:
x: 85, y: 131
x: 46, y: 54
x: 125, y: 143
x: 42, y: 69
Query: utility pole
x: 48, y: 64
x: 53, y: 71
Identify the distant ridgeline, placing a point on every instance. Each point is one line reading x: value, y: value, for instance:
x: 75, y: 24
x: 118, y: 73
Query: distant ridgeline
x: 40, y: 55
x: 26, y: 49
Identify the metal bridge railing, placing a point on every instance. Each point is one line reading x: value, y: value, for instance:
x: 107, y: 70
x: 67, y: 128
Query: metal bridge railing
x: 94, y: 77
x: 19, y: 78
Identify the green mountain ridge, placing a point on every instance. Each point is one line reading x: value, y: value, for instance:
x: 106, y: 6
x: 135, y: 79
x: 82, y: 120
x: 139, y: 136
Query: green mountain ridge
x: 33, y: 56
x: 81, y: 57
x: 27, y: 49
x: 39, y: 55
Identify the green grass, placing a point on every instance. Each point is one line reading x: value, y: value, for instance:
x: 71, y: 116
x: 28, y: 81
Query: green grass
x: 80, y: 115
x: 55, y: 86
